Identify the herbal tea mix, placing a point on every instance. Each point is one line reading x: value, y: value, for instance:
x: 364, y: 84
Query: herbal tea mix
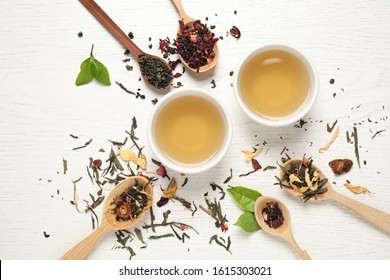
x: 213, y: 211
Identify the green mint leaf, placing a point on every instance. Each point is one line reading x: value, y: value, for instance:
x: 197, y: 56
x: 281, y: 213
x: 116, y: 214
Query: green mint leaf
x: 247, y: 221
x: 93, y: 68
x: 244, y: 197
x: 102, y: 74
x: 85, y: 75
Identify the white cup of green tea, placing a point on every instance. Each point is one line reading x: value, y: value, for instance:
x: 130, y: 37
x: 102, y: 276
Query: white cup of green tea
x: 276, y: 85
x: 189, y: 131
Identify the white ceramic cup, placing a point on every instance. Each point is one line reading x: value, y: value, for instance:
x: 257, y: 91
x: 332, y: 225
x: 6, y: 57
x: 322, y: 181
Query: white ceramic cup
x: 183, y: 167
x: 302, y: 110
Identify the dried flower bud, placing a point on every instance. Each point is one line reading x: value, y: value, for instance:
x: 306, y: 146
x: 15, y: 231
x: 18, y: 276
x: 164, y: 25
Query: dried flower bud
x: 123, y: 211
x: 255, y: 164
x: 235, y: 32
x: 341, y: 166
x: 224, y: 227
x: 97, y: 163
x: 161, y: 171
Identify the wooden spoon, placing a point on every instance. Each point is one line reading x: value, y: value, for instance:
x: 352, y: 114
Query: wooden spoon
x: 284, y: 231
x: 187, y: 20
x: 114, y: 29
x: 109, y: 222
x: 374, y: 216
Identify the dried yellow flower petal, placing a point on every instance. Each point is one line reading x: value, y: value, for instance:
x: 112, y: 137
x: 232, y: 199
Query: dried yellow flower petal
x: 356, y: 189
x: 250, y: 155
x: 171, y: 190
x: 327, y: 145
x: 129, y: 155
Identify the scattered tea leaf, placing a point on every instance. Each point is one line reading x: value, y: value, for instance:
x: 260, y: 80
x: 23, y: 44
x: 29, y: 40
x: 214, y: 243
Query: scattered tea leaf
x: 377, y: 133
x: 185, y: 182
x: 83, y: 146
x: 269, y: 167
x: 73, y: 136
x: 161, y: 236
x: 46, y: 235
x: 65, y: 165
x: 230, y: 177
x: 330, y: 128
x: 247, y: 221
x: 138, y: 232
x: 213, y: 84
x: 221, y: 242
x: 348, y: 137
x: 214, y: 187
x: 356, y: 144
x: 356, y: 189
x: 97, y: 202
x: 245, y: 197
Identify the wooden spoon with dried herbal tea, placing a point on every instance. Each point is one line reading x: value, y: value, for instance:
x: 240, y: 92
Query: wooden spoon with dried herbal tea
x: 195, y: 43
x: 154, y: 69
x: 274, y: 218
x: 124, y: 207
x: 304, y: 180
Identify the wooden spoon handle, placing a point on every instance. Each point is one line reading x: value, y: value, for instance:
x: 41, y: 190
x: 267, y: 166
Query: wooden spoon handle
x: 290, y: 239
x: 111, y: 26
x: 179, y: 7
x: 374, y: 216
x: 81, y: 250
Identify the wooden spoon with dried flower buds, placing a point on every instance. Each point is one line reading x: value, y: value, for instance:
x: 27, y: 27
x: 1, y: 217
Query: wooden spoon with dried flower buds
x: 154, y: 69
x: 325, y: 191
x: 113, y: 216
x: 281, y: 229
x: 204, y: 60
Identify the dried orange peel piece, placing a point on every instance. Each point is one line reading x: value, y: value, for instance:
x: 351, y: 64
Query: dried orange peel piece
x: 327, y: 145
x: 250, y: 155
x: 356, y: 189
x: 129, y: 155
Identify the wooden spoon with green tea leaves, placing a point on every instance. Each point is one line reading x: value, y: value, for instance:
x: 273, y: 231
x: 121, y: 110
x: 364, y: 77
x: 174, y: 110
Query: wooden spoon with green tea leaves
x: 284, y: 230
x: 154, y: 69
x: 110, y: 220
x: 324, y: 190
x: 189, y: 21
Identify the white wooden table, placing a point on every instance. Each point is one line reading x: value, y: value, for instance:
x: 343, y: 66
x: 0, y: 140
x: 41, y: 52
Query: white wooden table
x: 40, y: 54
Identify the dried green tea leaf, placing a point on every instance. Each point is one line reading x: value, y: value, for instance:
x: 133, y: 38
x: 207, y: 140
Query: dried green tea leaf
x: 247, y: 221
x: 269, y: 167
x: 138, y: 232
x: 356, y: 144
x: 65, y: 165
x: 230, y: 177
x: 244, y: 197
x: 161, y: 236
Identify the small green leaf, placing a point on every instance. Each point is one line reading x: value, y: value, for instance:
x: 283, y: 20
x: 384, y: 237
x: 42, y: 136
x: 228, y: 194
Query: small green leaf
x: 85, y: 75
x: 247, y: 221
x: 93, y: 68
x: 244, y: 197
x: 102, y: 75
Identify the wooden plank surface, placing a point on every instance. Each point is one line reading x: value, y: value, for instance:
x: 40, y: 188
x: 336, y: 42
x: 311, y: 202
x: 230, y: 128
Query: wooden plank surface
x: 40, y: 106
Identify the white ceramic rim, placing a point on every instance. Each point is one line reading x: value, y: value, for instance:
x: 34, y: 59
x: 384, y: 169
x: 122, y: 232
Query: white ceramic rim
x: 305, y: 106
x: 189, y: 168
